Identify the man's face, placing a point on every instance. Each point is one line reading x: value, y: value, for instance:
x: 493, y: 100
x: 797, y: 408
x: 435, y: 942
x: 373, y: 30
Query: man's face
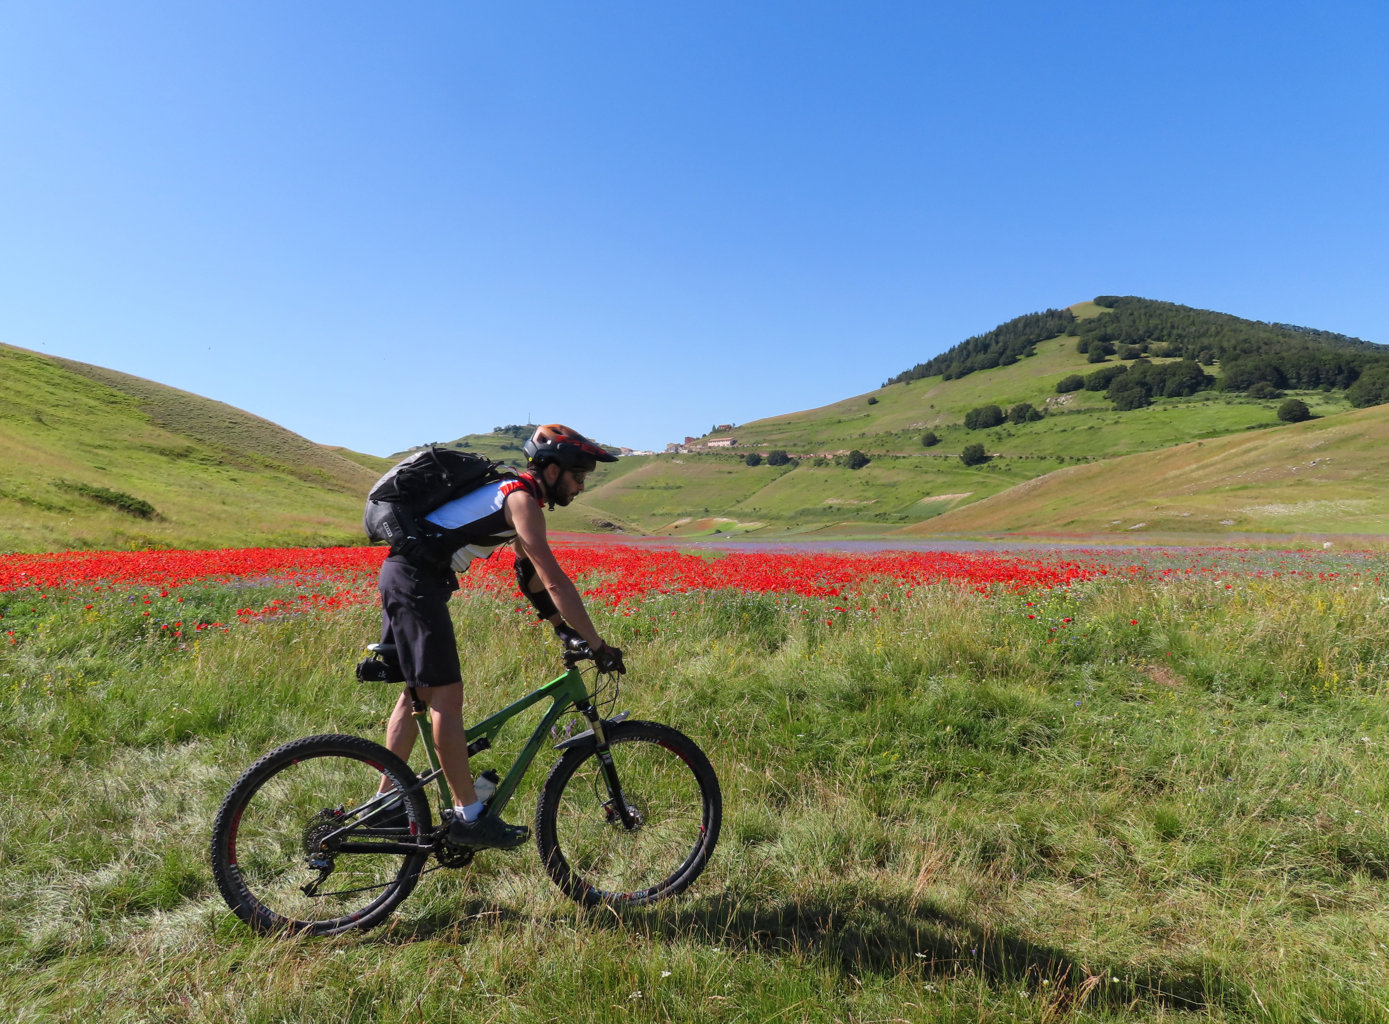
x: 567, y: 485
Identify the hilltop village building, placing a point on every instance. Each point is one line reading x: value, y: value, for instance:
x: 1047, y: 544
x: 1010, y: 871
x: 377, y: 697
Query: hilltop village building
x: 694, y: 444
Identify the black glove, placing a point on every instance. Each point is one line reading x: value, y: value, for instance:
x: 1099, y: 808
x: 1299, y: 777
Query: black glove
x: 609, y: 659
x: 568, y: 636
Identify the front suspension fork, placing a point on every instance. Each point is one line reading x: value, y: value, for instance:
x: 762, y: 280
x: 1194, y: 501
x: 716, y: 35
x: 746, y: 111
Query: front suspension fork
x: 617, y: 800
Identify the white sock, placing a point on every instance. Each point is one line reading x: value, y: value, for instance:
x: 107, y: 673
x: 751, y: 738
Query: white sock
x: 470, y: 813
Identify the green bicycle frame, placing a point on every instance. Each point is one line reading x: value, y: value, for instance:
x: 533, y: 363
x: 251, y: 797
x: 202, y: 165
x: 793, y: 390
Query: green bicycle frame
x: 568, y: 690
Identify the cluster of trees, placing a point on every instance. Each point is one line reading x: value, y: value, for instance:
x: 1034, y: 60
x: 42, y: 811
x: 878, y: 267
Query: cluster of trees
x: 774, y: 458
x: 1003, y: 346
x: 1250, y: 352
x: 853, y: 460
x: 1132, y: 387
x: 1371, y: 387
x: 985, y: 416
x: 516, y: 430
x: 1144, y: 381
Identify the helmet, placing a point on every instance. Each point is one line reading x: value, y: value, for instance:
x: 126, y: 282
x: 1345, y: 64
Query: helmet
x: 557, y: 443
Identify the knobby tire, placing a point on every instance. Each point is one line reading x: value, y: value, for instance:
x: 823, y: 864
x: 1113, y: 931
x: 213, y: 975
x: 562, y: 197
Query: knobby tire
x: 293, y: 805
x: 667, y: 782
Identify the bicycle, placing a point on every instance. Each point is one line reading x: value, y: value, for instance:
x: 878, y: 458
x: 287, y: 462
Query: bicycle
x: 304, y: 844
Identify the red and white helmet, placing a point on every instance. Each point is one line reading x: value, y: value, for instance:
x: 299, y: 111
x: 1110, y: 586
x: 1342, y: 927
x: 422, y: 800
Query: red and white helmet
x: 555, y: 442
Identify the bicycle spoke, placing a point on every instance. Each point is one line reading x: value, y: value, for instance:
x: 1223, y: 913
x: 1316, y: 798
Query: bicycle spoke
x: 291, y: 850
x: 673, y: 796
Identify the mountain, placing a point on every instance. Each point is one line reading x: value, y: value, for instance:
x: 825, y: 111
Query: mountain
x: 97, y: 458
x: 1119, y: 376
x: 1119, y: 416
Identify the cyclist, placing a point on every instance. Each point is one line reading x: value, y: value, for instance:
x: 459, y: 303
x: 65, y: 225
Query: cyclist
x: 415, y: 617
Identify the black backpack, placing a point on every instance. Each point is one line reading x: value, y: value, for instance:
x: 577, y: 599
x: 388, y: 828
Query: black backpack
x: 414, y: 487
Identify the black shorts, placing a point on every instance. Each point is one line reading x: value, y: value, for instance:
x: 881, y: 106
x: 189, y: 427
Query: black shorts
x: 415, y: 617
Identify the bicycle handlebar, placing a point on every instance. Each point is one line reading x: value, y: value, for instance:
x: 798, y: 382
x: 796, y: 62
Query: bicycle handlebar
x: 576, y: 649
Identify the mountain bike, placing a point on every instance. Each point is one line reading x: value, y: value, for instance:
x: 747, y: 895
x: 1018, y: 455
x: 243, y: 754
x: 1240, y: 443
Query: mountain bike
x: 305, y: 844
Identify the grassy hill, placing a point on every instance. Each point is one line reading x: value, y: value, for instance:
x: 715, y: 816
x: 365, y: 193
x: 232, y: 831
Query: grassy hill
x: 1322, y: 476
x: 96, y: 458
x: 907, y: 486
x: 104, y: 459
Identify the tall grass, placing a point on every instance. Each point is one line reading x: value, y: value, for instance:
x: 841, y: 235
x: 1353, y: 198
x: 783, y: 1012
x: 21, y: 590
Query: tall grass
x: 1129, y: 801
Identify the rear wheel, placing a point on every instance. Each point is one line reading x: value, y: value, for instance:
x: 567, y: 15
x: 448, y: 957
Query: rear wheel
x: 299, y: 845
x: 675, y: 808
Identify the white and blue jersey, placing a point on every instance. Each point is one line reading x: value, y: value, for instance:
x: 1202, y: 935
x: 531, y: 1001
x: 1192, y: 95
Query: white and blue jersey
x: 476, y: 521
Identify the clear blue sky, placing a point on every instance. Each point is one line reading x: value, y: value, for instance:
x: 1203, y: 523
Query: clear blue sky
x: 381, y: 224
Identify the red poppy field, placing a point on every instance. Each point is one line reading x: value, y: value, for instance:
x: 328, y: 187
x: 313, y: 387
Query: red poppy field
x: 296, y: 580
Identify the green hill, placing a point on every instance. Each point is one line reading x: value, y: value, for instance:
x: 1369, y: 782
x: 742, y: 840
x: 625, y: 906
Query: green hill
x: 96, y: 458
x: 1103, y: 407
x: 907, y: 484
x: 1322, y: 476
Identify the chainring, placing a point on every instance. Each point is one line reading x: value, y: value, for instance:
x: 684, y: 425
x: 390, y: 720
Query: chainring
x: 451, y: 856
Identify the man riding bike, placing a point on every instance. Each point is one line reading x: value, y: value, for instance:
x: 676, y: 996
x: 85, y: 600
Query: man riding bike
x: 415, y: 617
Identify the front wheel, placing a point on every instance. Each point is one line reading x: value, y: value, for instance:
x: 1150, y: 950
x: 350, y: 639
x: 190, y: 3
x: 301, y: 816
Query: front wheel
x: 302, y: 845
x: 674, y: 811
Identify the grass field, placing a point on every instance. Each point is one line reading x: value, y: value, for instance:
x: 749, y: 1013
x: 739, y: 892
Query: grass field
x: 1155, y: 793
x: 1324, y: 476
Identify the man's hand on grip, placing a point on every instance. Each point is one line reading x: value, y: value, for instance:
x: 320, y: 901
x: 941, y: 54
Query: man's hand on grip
x: 609, y: 659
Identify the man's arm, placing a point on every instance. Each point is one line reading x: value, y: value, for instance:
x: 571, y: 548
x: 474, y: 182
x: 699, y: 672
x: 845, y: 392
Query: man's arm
x: 526, y: 518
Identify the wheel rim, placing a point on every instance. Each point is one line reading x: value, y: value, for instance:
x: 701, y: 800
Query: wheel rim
x: 284, y: 837
x: 603, y: 860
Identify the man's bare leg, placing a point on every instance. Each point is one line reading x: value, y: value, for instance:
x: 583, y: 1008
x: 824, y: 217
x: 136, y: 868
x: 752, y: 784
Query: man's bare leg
x: 450, y: 738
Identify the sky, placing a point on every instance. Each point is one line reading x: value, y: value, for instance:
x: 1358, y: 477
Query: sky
x: 380, y: 224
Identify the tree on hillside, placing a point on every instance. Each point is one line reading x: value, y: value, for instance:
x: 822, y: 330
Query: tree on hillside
x: 1101, y: 379
x: 983, y: 417
x: 1372, y: 388
x: 1145, y: 380
x: 1248, y: 351
x: 1003, y: 346
x: 1127, y: 393
x: 753, y: 459
x: 1067, y: 384
x: 929, y: 439
x: 974, y: 455
x: 1294, y: 410
x: 856, y: 459
x: 1023, y: 412
x: 778, y: 458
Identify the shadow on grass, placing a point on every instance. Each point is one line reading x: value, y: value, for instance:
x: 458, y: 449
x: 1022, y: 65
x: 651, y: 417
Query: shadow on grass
x: 878, y: 936
x: 890, y: 939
